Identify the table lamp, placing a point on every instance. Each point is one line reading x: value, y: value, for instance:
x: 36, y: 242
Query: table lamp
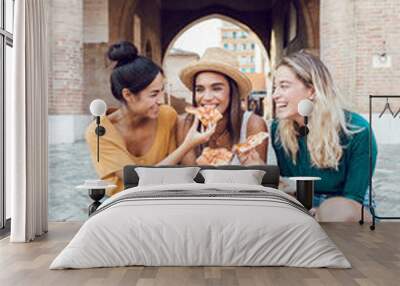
x: 98, y: 108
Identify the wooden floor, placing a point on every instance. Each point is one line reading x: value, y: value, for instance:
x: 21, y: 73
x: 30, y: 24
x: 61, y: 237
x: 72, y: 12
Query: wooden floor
x: 374, y: 255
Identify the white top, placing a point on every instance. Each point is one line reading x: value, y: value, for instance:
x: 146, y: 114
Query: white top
x: 305, y: 178
x: 243, y: 135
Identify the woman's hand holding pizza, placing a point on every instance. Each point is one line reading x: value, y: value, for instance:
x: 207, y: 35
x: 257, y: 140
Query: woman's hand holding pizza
x: 250, y: 157
x: 194, y: 137
x: 246, y: 151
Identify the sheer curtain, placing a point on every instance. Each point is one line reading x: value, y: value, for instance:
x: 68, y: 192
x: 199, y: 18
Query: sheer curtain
x: 26, y: 123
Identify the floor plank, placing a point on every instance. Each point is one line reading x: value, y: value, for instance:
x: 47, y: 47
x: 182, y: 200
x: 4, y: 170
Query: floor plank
x: 374, y: 255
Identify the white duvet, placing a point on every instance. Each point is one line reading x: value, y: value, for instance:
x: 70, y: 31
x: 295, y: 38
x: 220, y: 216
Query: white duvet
x: 183, y: 231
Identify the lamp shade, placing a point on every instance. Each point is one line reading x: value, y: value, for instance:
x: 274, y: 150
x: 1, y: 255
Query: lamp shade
x: 98, y: 107
x: 305, y: 107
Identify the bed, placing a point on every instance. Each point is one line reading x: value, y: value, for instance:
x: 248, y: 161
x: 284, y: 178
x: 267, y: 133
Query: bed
x: 201, y: 224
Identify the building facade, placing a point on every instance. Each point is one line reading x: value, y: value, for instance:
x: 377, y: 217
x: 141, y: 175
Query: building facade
x: 358, y: 41
x: 242, y: 43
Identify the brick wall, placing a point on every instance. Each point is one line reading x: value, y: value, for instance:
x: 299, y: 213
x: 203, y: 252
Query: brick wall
x: 377, y: 22
x: 338, y: 44
x: 79, y: 38
x: 352, y: 33
x: 96, y: 67
x: 97, y: 70
x: 95, y: 21
x: 66, y: 64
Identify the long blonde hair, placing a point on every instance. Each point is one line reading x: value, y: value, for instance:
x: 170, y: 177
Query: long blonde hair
x: 327, y: 120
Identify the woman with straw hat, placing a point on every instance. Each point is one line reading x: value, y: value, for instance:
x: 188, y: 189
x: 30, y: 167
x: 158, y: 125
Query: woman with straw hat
x: 216, y: 81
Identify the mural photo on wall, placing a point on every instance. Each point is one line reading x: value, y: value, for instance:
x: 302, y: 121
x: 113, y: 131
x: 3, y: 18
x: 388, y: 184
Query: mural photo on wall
x: 215, y: 129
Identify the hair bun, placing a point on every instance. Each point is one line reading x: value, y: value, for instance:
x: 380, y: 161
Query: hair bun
x: 122, y: 52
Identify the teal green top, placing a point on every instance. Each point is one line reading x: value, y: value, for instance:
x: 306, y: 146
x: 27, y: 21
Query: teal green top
x: 351, y: 180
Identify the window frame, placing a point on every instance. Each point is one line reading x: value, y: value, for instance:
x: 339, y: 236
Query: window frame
x: 6, y: 39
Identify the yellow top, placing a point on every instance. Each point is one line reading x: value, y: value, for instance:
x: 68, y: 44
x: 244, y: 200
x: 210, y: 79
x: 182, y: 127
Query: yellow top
x: 114, y: 154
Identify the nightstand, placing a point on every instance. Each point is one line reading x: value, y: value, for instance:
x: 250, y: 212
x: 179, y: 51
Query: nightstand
x: 96, y: 190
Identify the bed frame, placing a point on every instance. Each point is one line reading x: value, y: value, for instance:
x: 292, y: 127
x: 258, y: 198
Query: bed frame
x: 270, y: 179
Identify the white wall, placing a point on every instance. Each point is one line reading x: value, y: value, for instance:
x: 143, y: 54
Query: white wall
x: 386, y: 128
x: 67, y: 128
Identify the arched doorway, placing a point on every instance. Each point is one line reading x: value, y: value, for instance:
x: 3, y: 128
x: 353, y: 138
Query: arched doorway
x: 232, y: 35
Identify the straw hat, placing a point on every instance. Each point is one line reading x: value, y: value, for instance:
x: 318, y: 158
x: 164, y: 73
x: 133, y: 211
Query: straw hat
x: 218, y: 60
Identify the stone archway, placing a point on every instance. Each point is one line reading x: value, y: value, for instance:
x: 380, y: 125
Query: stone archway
x: 169, y: 18
x: 148, y: 50
x: 245, y: 45
x: 310, y: 11
x: 173, y: 22
x: 121, y: 18
x: 223, y: 18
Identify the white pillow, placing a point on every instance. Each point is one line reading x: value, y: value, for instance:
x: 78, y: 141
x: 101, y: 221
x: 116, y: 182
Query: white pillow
x: 249, y: 177
x: 166, y: 176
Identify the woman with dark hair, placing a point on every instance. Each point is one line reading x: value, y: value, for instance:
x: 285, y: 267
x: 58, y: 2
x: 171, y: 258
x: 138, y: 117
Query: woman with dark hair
x: 141, y: 131
x: 216, y: 82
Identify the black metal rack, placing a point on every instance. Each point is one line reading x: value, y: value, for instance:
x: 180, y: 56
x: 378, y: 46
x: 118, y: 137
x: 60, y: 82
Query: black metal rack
x: 371, y: 207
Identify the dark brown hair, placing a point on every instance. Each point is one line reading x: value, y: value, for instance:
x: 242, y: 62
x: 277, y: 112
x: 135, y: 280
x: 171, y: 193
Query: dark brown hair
x: 234, y: 108
x: 132, y: 71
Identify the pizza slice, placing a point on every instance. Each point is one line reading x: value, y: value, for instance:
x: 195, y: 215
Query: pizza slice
x: 218, y: 156
x: 251, y: 142
x: 206, y: 114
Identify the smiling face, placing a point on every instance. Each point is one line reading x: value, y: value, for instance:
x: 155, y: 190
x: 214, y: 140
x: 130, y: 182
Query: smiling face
x: 212, y: 89
x: 146, y: 103
x: 289, y: 90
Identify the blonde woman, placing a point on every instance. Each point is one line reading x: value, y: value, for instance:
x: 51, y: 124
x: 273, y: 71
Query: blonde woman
x: 337, y: 143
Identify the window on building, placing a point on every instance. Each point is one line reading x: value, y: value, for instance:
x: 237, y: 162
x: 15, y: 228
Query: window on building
x: 244, y: 46
x: 235, y: 47
x: 6, y: 46
x: 226, y: 46
x: 234, y: 34
x: 253, y: 46
x: 252, y: 70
